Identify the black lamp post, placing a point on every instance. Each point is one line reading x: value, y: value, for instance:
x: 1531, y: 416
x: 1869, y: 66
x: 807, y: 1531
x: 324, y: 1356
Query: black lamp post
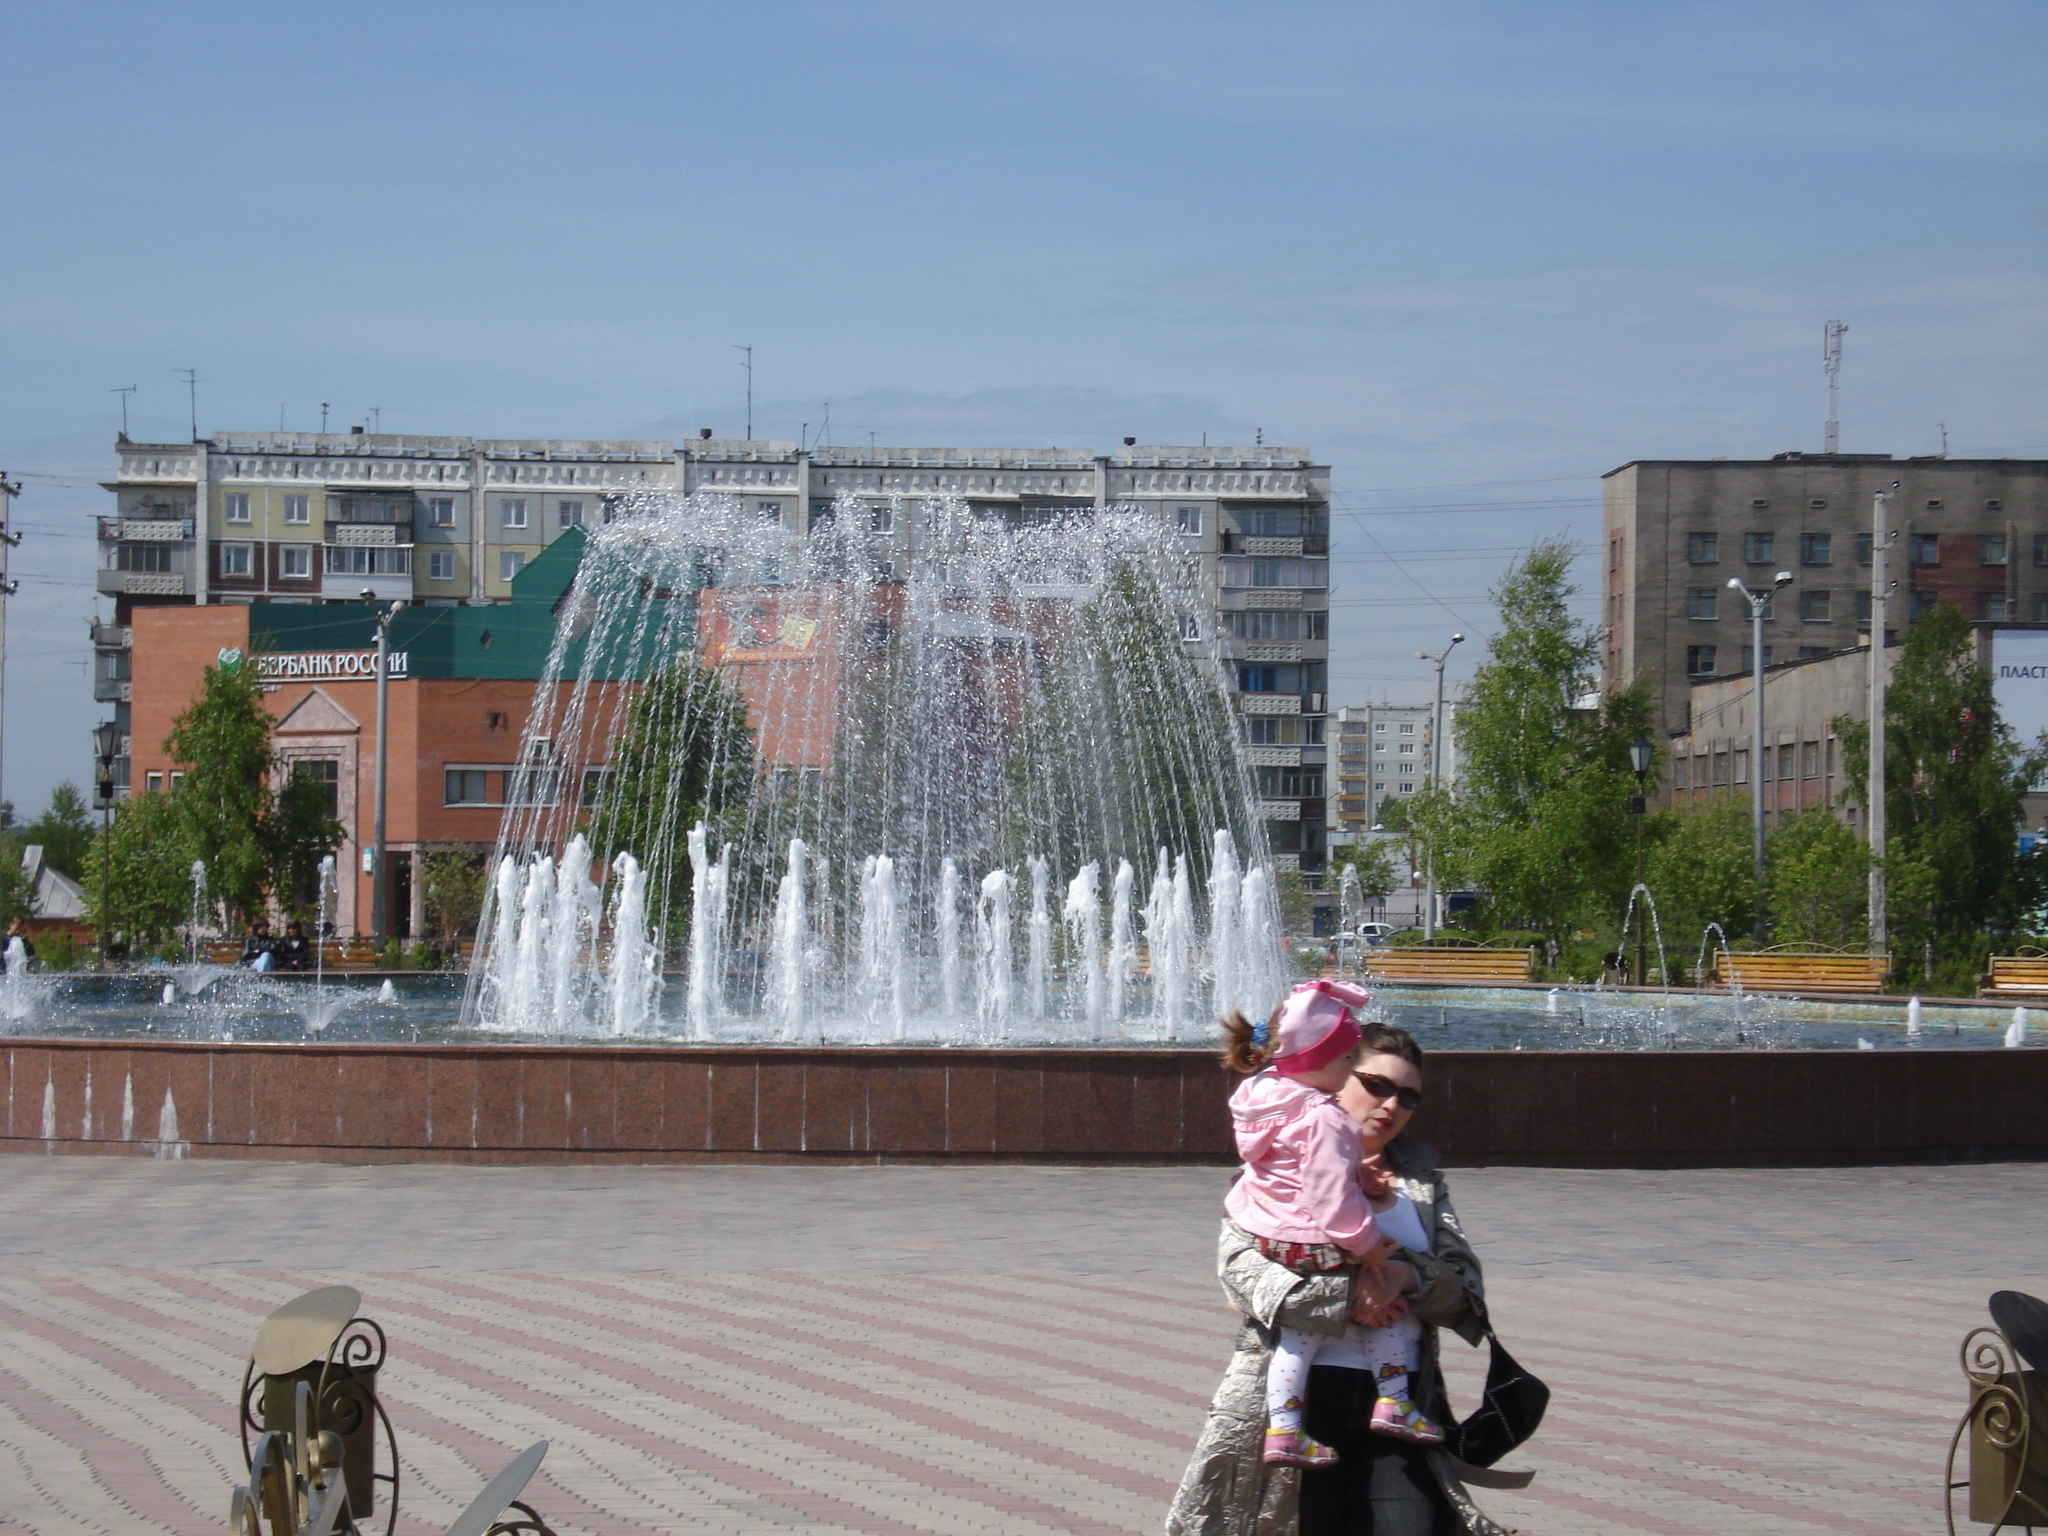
x: 106, y: 746
x: 1639, y: 753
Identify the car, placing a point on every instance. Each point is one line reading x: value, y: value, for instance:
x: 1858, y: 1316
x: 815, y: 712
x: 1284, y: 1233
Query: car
x: 1374, y: 933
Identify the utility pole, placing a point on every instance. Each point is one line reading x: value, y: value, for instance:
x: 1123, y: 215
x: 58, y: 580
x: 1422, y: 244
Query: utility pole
x: 750, y: 388
x: 1436, y: 768
x: 1759, y: 605
x: 375, y: 861
x: 1880, y: 589
x: 9, y: 489
x: 192, y: 394
x: 1831, y: 364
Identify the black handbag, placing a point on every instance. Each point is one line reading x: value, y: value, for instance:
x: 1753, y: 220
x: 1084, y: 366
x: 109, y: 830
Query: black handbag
x: 1508, y: 1412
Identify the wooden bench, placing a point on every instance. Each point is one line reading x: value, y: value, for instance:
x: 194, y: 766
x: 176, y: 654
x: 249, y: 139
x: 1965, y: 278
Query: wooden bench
x: 2015, y: 976
x: 1790, y: 971
x: 1475, y: 967
x: 335, y: 954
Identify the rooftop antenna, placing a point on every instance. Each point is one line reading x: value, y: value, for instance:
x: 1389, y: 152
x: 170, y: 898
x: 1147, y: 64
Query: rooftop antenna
x: 376, y: 417
x: 124, y: 391
x: 280, y: 416
x: 323, y: 417
x: 192, y: 391
x: 750, y: 388
x: 825, y: 432
x: 1831, y: 363
x: 1944, y: 437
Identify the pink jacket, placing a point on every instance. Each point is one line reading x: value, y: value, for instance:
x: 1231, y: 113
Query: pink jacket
x: 1301, y: 1155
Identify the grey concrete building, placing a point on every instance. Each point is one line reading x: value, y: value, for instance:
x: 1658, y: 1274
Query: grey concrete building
x: 1970, y: 531
x: 245, y: 517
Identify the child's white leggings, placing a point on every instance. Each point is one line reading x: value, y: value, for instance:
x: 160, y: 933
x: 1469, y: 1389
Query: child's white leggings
x: 1391, y: 1354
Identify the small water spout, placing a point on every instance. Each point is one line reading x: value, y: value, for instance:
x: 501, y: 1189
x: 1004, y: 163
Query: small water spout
x: 946, y: 923
x: 2016, y: 1032
x: 710, y: 888
x: 170, y: 993
x: 1913, y: 1015
x: 1123, y: 950
x: 387, y: 993
x: 1225, y: 880
x: 1656, y: 929
x: 1038, y: 939
x: 879, y: 984
x: 633, y: 977
x: 1550, y: 1000
x: 992, y: 932
x: 1082, y: 913
x: 787, y: 946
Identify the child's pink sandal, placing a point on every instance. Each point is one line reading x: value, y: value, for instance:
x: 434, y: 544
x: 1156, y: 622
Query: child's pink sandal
x: 1292, y: 1448
x: 1401, y: 1419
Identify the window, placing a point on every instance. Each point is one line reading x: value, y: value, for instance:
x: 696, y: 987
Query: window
x: 235, y: 508
x: 1699, y: 602
x: 594, y: 782
x: 466, y: 786
x: 1187, y: 519
x: 512, y: 511
x: 1703, y: 548
x: 152, y: 783
x: 536, y: 784
x: 441, y: 511
x: 1923, y: 602
x: 1741, y: 765
x: 1287, y: 573
x: 236, y: 559
x: 298, y: 509
x: 1811, y: 754
x: 177, y: 780
x: 1757, y: 548
x: 372, y: 560
x: 2041, y: 549
x: 1190, y: 627
x: 1380, y: 729
x: 1819, y: 504
x: 1407, y: 787
x: 2040, y: 610
x: 1614, y: 554
x: 295, y: 561
x: 1262, y: 730
x: 1863, y: 604
x: 1291, y: 783
x: 1749, y: 657
x: 1379, y: 786
x: 1991, y: 549
x: 1934, y: 503
x: 1992, y: 605
x: 1679, y: 776
x: 771, y: 511
x: 441, y: 565
x: 1408, y: 747
x: 569, y: 514
x: 1279, y: 522
x: 1813, y: 652
x: 509, y: 564
x: 325, y: 774
x: 1761, y: 504
x: 1408, y: 730
x: 1785, y: 767
x: 1814, y: 605
x: 1258, y: 679
x: 1926, y: 549
x: 1863, y: 549
x: 1994, y: 506
x: 144, y: 557
x: 882, y: 519
x: 1814, y: 548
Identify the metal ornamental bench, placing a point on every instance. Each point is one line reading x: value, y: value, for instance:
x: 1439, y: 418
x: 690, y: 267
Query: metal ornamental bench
x: 2015, y: 976
x: 1475, y: 967
x: 1801, y: 971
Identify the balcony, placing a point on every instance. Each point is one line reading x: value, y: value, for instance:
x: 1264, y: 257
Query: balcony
x: 383, y: 586
x: 369, y: 535
x: 1273, y: 757
x: 112, y: 637
x: 1269, y: 703
x: 108, y: 690
x: 144, y: 583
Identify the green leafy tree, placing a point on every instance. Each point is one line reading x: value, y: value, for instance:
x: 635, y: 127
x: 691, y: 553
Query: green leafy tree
x: 1537, y: 825
x: 452, y: 887
x: 144, y: 890
x: 685, y: 754
x: 1373, y: 859
x: 64, y: 830
x: 1701, y: 869
x: 1955, y: 786
x: 17, y: 893
x: 1818, y: 880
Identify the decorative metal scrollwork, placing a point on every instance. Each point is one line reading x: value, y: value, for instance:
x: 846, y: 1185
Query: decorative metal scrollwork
x: 2005, y: 1435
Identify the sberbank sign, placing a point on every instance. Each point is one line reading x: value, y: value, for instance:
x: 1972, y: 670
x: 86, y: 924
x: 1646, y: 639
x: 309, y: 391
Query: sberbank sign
x: 316, y: 664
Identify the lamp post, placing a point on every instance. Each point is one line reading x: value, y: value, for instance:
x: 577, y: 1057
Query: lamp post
x: 1436, y: 766
x: 1639, y: 752
x: 376, y: 860
x: 1759, y: 605
x: 106, y: 746
x: 1880, y: 543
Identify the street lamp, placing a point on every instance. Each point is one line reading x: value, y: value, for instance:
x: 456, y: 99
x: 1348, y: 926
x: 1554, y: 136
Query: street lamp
x: 106, y: 746
x: 1639, y: 753
x: 1436, y: 768
x: 375, y: 861
x: 1759, y: 605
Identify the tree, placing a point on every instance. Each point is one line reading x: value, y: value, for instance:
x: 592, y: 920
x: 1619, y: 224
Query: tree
x: 686, y: 754
x: 1373, y: 859
x: 1701, y: 869
x: 1537, y: 824
x: 145, y: 890
x: 64, y: 830
x: 17, y: 894
x: 452, y: 887
x: 1818, y: 879
x: 1955, y: 785
x: 254, y: 839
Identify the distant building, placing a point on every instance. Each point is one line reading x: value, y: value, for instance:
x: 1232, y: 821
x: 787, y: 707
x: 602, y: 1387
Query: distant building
x: 297, y: 519
x: 1969, y: 531
x: 1383, y: 754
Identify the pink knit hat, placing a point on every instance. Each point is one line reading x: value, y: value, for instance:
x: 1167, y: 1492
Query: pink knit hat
x: 1317, y: 1025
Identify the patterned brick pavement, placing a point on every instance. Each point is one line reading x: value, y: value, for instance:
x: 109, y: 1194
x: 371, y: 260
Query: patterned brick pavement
x: 1012, y: 1350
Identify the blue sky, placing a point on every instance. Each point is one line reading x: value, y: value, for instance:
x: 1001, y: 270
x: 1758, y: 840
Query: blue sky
x: 1473, y: 254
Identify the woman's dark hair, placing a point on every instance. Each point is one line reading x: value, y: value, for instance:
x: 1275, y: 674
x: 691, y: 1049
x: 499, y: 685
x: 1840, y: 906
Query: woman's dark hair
x: 1240, y: 1052
x: 1386, y: 1040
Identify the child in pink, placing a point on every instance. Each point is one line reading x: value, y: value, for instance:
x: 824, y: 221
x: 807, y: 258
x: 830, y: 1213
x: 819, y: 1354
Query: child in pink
x: 1300, y: 1193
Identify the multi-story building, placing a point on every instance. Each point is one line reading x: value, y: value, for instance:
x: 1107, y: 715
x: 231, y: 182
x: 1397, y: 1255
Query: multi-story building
x: 1383, y: 753
x: 1970, y: 531
x: 249, y: 517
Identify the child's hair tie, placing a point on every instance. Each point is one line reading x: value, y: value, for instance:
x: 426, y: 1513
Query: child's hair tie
x: 1260, y: 1031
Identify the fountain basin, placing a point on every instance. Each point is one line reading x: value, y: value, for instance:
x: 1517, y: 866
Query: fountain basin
x: 552, y: 1103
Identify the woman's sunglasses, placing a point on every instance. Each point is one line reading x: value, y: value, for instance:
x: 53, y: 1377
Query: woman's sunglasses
x: 1386, y: 1088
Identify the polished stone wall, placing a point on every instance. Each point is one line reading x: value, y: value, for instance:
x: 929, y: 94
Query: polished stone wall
x: 651, y: 1104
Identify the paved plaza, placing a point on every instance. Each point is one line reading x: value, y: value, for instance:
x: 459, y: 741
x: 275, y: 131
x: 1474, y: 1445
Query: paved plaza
x: 938, y: 1350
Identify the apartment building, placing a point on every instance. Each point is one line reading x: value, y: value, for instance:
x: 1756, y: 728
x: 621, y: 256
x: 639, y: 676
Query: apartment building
x: 1968, y: 531
x: 298, y: 518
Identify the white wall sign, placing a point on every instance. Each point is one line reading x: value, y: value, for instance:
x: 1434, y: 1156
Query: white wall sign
x: 329, y: 664
x: 2019, y: 681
